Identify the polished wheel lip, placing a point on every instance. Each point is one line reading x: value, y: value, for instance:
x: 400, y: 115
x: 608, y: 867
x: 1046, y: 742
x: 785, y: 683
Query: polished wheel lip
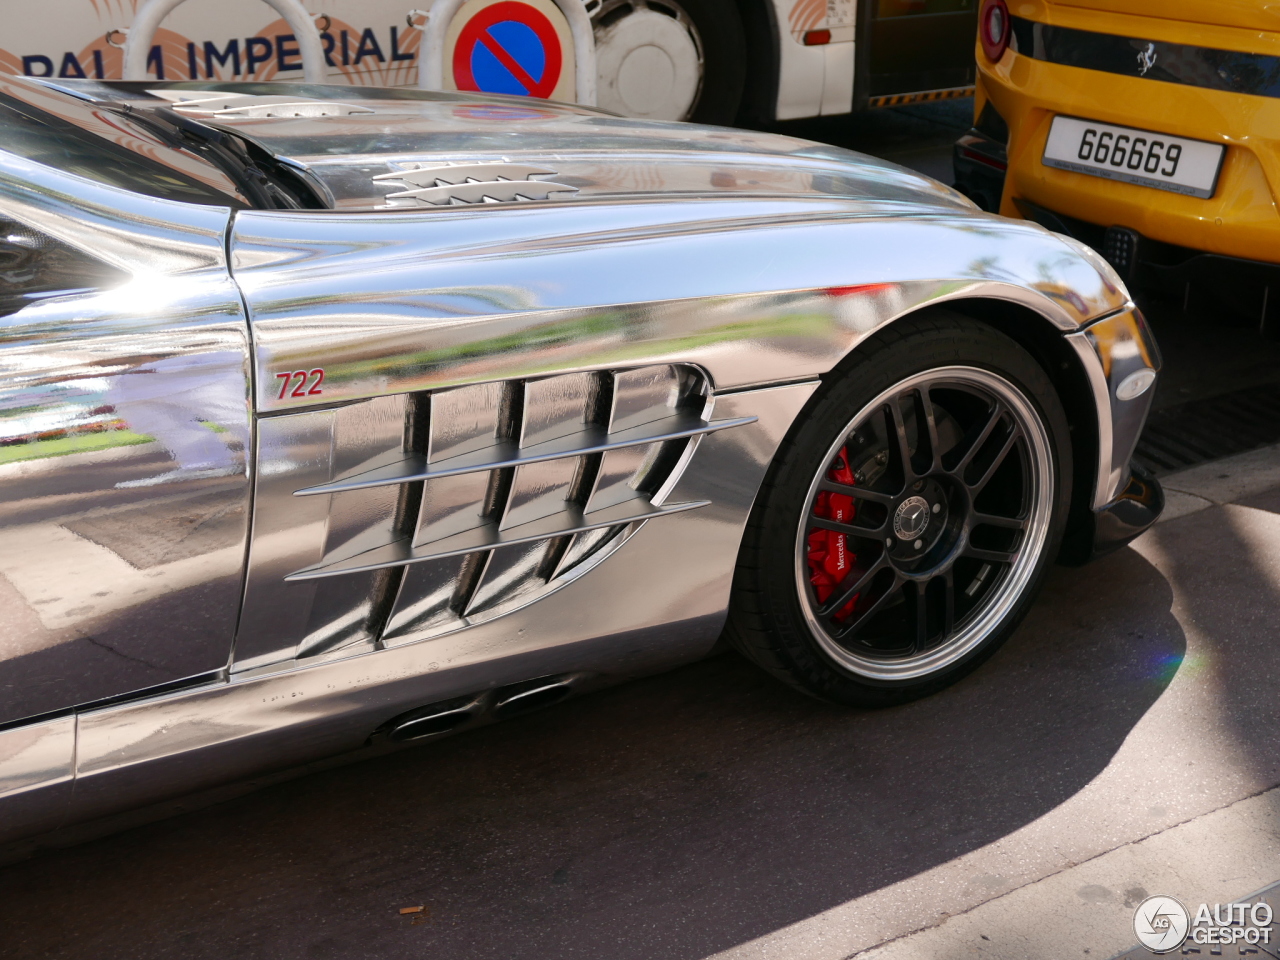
x: 980, y: 624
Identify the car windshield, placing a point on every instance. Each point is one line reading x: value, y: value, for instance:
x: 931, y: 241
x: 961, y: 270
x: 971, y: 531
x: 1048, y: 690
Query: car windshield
x: 40, y: 135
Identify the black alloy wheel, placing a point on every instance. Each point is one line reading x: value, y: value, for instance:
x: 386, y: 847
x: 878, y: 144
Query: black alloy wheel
x: 907, y: 523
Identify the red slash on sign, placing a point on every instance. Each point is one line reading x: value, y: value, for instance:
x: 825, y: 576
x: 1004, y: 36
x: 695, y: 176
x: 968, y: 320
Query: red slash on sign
x: 508, y: 47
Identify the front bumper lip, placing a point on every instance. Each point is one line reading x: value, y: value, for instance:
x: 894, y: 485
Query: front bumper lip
x: 1124, y: 500
x: 1129, y: 515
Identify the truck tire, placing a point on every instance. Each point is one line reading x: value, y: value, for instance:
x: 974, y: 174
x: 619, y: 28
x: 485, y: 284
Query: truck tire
x: 670, y: 59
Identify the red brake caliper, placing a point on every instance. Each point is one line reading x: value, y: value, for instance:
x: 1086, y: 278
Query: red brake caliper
x: 830, y: 559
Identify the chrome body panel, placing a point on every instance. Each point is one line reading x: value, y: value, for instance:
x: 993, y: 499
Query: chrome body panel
x: 37, y: 754
x: 1110, y: 350
x: 37, y: 770
x: 536, y: 432
x: 143, y: 236
x: 542, y: 289
x: 125, y: 422
x: 354, y: 156
x: 599, y: 623
x: 290, y: 533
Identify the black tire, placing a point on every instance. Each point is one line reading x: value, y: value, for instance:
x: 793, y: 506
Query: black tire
x: 867, y: 659
x: 724, y: 53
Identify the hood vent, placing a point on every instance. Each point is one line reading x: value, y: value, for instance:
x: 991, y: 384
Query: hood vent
x: 449, y: 183
x: 241, y: 106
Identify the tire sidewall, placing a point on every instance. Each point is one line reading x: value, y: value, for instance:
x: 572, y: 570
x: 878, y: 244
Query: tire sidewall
x: 724, y: 59
x: 848, y: 390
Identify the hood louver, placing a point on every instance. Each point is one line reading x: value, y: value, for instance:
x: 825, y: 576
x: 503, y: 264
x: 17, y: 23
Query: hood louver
x: 497, y: 182
x: 243, y: 106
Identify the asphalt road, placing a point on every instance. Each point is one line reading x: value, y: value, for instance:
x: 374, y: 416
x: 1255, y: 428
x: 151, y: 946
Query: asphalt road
x: 711, y: 811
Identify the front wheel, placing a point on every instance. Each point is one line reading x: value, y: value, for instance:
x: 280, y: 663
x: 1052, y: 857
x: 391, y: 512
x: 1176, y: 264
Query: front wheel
x: 907, y: 524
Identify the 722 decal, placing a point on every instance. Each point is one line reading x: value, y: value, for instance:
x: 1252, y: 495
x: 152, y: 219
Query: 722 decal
x: 306, y: 383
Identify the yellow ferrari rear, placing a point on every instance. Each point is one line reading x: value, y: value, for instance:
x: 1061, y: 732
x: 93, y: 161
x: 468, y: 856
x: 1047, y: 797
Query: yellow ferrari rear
x: 1159, y: 119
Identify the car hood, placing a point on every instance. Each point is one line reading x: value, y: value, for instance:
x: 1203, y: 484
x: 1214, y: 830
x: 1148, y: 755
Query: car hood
x: 354, y: 147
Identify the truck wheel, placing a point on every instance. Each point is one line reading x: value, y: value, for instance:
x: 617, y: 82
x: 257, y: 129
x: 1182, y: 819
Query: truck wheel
x: 906, y: 525
x: 670, y: 59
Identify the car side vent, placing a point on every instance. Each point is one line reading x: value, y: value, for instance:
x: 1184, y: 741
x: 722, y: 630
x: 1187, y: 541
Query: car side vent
x: 539, y: 473
x: 400, y: 517
x: 454, y: 183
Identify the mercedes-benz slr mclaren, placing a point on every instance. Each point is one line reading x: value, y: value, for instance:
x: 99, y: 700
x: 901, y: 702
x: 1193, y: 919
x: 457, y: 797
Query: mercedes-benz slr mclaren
x: 333, y: 418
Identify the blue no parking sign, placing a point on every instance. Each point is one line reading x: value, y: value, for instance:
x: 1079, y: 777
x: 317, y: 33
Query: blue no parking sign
x: 508, y: 47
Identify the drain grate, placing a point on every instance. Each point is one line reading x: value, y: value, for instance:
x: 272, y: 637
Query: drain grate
x: 1191, y: 433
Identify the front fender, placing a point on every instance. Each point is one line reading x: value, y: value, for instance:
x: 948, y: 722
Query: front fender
x: 753, y: 291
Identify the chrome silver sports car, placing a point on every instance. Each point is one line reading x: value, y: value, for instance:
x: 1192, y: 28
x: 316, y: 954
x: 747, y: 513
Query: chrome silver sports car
x: 334, y: 417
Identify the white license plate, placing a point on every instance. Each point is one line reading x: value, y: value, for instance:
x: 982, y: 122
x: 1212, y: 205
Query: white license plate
x: 1134, y: 156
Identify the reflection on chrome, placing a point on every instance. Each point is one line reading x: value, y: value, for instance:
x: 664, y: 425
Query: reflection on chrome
x: 191, y: 405
x: 272, y: 477
x: 106, y: 388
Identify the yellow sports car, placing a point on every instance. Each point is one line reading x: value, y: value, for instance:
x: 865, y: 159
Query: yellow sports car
x: 1150, y: 129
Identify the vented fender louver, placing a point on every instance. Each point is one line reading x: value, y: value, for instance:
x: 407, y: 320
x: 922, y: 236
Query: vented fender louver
x: 572, y: 516
x: 421, y: 513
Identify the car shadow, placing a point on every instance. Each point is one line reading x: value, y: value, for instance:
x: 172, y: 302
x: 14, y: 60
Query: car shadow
x: 1207, y: 758
x: 1225, y: 564
x: 673, y: 817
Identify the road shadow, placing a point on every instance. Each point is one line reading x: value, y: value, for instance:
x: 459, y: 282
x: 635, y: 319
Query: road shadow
x: 672, y: 817
x: 1211, y: 743
x: 1225, y: 565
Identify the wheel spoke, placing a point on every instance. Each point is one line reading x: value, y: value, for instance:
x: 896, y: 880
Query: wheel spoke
x: 991, y: 520
x: 993, y: 418
x: 898, y: 440
x: 847, y: 593
x: 866, y: 615
x: 921, y: 638
x: 858, y: 493
x: 990, y: 556
x: 852, y: 529
x: 949, y: 603
x: 931, y: 425
x: 1014, y: 436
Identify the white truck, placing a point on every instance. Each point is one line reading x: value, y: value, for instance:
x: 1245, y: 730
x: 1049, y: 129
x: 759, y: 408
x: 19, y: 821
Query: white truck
x: 712, y: 61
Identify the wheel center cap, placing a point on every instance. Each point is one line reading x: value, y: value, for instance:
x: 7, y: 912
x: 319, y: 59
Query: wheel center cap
x: 911, y: 518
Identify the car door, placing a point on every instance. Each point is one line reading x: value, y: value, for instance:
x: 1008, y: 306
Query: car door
x: 124, y: 426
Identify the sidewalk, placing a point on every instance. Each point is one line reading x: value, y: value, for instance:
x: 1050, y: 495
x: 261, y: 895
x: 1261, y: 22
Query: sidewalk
x: 1124, y: 742
x: 1187, y: 807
